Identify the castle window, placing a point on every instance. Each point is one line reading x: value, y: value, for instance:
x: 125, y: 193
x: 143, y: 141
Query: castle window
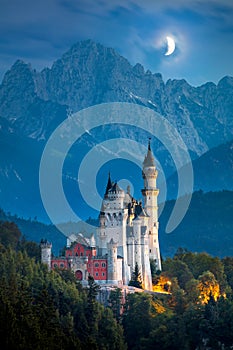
x: 96, y: 264
x: 96, y: 274
x: 103, y: 264
x: 103, y: 274
x: 54, y: 265
x: 61, y: 265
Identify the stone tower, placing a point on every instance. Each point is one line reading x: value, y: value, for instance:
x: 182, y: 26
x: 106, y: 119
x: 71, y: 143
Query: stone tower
x: 46, y: 252
x: 112, y: 224
x: 112, y: 262
x: 150, y: 194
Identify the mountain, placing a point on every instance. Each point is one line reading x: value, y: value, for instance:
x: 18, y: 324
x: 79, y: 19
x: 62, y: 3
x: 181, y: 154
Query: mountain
x: 19, y: 172
x: 207, y: 226
x: 33, y: 104
x: 34, y: 230
x: 90, y: 73
x: 213, y: 171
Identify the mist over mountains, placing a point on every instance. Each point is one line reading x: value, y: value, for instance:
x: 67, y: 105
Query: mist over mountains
x: 33, y: 104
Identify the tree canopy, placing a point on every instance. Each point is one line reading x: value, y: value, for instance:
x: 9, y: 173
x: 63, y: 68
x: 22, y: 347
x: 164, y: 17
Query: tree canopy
x: 42, y: 309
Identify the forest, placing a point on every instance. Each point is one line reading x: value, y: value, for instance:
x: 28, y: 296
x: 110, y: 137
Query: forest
x: 191, y: 307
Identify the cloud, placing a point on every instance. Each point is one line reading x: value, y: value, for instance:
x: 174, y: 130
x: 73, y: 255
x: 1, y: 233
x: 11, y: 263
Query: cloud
x: 41, y: 31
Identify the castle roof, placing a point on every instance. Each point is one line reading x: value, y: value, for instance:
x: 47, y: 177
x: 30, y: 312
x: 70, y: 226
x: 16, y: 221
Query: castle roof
x: 109, y: 184
x: 140, y: 211
x: 143, y: 213
x: 82, y: 240
x: 149, y: 158
x: 115, y: 188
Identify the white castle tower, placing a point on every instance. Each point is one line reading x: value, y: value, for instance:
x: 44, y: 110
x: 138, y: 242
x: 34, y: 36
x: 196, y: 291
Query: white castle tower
x: 128, y: 232
x: 150, y: 194
x: 112, y: 262
x: 112, y: 226
x: 46, y: 252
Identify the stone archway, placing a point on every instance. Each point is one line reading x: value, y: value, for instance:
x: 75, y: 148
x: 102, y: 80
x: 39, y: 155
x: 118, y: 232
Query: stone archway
x: 79, y: 275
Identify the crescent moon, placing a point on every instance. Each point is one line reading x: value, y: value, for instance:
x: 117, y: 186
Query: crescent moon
x: 170, y: 46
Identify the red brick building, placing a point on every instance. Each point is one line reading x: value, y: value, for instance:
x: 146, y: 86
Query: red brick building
x: 81, y: 258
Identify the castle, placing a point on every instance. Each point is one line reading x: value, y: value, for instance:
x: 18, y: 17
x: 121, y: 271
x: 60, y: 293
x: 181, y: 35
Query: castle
x: 127, y: 234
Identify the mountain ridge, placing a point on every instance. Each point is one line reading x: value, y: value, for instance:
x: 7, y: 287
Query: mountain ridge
x: 90, y: 74
x: 33, y: 104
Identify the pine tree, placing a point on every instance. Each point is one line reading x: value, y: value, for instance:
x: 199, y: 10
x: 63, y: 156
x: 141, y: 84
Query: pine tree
x: 136, y: 279
x: 115, y: 302
x: 91, y: 312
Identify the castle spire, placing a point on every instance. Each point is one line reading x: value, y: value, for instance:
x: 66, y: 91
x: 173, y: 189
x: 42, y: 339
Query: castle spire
x: 149, y: 159
x: 109, y: 184
x: 149, y: 149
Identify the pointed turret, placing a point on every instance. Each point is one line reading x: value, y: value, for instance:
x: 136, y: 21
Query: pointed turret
x: 109, y: 185
x: 149, y: 159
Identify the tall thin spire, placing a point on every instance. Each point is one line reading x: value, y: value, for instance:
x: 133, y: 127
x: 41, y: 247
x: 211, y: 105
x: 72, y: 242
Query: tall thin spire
x: 149, y: 149
x: 149, y: 159
x: 109, y: 184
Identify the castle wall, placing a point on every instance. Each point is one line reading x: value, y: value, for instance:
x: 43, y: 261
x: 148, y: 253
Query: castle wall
x: 60, y: 263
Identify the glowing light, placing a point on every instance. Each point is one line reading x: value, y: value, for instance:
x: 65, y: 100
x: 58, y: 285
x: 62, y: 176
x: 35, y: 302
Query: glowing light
x: 171, y: 46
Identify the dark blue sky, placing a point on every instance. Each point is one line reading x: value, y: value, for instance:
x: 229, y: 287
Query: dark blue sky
x: 41, y: 31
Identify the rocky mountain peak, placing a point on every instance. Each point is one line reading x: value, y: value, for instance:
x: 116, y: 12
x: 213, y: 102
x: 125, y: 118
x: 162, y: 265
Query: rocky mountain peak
x: 20, y: 71
x: 17, y: 90
x: 89, y: 74
x: 226, y: 83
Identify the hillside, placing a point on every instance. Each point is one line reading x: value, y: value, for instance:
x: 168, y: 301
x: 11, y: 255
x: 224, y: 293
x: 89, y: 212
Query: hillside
x: 213, y: 171
x: 207, y: 226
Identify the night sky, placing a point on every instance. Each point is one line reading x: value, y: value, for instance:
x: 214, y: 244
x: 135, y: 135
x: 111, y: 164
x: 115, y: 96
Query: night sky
x: 39, y: 32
